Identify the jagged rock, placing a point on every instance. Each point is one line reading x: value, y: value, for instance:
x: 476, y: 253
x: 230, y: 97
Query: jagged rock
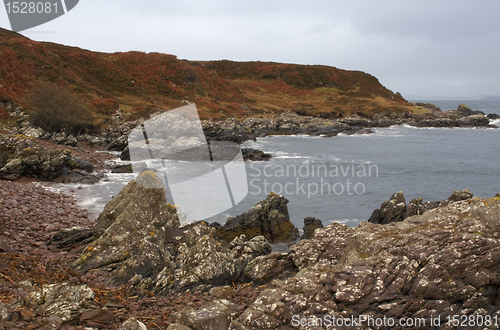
x: 119, y: 143
x: 63, y: 139
x: 268, y: 218
x: 70, y: 236
x: 212, y: 316
x: 93, y: 141
x: 390, y: 211
x: 133, y: 324
x: 129, y: 234
x: 443, y: 262
x: 61, y: 300
x: 310, y: 225
x: 137, y: 240
x: 458, y: 196
x: 395, y: 209
x: 414, y: 207
x: 19, y: 157
x: 125, y: 155
x: 201, y: 260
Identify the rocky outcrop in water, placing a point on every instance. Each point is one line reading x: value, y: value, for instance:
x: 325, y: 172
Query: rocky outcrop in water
x: 395, y: 209
x: 268, y: 218
x: 310, y: 225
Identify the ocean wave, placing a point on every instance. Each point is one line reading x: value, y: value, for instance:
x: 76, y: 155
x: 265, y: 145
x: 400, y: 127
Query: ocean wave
x: 495, y: 122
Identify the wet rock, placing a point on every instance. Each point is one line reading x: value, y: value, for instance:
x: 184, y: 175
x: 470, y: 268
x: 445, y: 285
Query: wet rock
x: 125, y: 155
x: 127, y: 168
x: 268, y: 218
x: 255, y: 155
x: 62, y: 300
x: 129, y: 234
x: 133, y: 324
x: 212, y: 316
x: 310, y: 225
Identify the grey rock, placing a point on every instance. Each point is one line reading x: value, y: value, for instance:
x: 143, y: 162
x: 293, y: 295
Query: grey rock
x: 212, y: 316
x: 4, y: 312
x: 62, y: 300
x: 133, y: 324
x: 268, y: 218
x: 129, y: 234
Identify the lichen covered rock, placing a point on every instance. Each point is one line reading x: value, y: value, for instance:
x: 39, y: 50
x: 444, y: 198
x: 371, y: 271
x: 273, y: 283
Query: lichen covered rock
x: 61, y: 300
x: 443, y: 262
x: 129, y: 234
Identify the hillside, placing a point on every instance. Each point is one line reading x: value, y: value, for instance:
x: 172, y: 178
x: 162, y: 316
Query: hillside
x: 141, y: 83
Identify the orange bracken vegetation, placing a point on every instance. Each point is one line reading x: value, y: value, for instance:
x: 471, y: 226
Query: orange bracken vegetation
x: 140, y: 83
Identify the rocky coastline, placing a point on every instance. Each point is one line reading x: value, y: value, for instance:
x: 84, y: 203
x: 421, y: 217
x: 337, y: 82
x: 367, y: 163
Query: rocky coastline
x: 29, y: 151
x: 136, y: 267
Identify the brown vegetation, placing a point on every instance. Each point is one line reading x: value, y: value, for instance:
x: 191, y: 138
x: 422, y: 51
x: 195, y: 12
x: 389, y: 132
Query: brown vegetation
x: 134, y: 81
x: 56, y: 109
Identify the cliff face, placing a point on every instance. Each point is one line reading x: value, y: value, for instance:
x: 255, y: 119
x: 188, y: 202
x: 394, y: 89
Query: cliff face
x: 141, y: 84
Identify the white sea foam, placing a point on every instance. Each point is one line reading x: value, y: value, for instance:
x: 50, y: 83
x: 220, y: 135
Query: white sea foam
x: 495, y: 122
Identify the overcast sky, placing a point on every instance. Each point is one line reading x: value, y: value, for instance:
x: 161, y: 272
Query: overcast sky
x: 427, y: 48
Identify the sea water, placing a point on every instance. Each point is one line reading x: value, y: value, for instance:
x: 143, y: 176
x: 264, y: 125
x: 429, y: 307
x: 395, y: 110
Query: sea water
x: 344, y: 178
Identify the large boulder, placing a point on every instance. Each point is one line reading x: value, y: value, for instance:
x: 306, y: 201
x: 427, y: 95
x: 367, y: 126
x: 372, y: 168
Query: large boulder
x: 130, y: 232
x: 138, y: 240
x: 268, y: 218
x: 441, y: 263
x: 392, y: 210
